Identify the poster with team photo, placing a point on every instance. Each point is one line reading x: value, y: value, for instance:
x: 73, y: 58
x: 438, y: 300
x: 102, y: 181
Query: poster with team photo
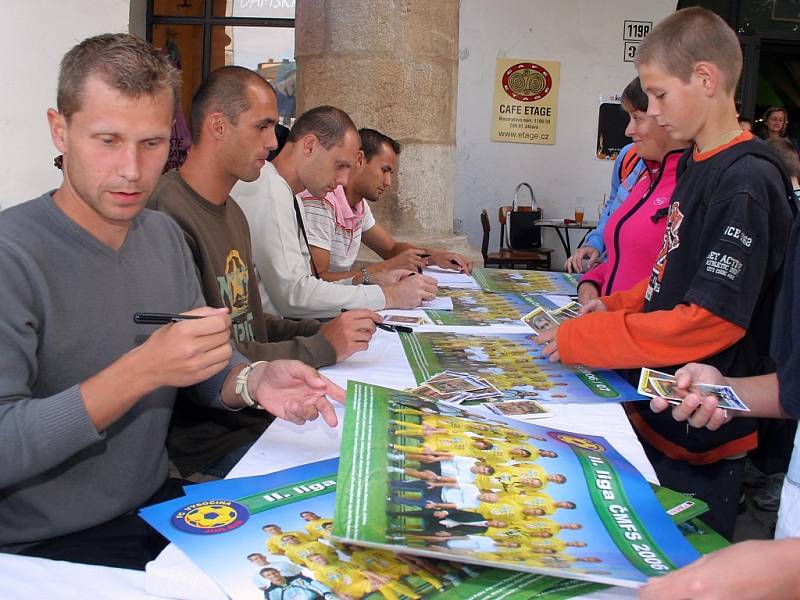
x: 439, y: 481
x: 513, y: 363
x: 521, y: 282
x: 481, y: 308
x: 268, y: 537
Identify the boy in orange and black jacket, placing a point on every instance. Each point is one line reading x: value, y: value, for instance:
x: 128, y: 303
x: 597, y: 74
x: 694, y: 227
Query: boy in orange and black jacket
x: 711, y: 293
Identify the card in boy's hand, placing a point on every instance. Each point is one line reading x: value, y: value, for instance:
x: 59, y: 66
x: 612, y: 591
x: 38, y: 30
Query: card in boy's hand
x: 726, y: 397
x: 540, y: 320
x: 572, y: 308
x: 568, y: 311
x: 654, y: 383
x: 646, y: 386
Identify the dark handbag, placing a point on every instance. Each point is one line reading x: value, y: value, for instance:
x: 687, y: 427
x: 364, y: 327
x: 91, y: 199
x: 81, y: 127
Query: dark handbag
x: 522, y: 233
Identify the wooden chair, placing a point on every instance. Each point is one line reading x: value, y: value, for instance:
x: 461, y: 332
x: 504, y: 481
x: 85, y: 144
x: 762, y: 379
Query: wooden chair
x: 539, y: 259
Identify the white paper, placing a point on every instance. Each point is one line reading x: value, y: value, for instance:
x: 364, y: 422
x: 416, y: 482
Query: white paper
x: 439, y: 303
x: 447, y: 278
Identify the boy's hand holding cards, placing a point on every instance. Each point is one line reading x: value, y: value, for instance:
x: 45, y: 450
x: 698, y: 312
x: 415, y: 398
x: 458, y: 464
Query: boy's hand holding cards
x: 657, y: 384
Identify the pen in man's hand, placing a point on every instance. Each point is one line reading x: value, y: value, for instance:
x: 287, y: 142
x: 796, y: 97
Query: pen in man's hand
x: 145, y: 318
x: 419, y: 269
x: 392, y: 328
x: 455, y: 262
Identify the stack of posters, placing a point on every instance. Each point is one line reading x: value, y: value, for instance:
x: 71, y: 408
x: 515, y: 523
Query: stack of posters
x: 438, y: 481
x: 532, y: 282
x: 513, y: 363
x: 268, y: 537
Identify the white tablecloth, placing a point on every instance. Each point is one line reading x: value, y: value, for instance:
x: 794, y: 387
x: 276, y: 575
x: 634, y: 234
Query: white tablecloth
x: 283, y: 445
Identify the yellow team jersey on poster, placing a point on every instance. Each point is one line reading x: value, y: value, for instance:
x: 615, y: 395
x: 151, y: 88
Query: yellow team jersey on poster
x: 316, y: 527
x: 451, y: 443
x: 379, y: 561
x: 276, y: 545
x: 505, y: 511
x: 530, y: 500
x: 554, y: 544
x: 342, y: 579
x: 513, y: 477
x: 299, y: 553
x: 450, y: 424
x: 537, y: 526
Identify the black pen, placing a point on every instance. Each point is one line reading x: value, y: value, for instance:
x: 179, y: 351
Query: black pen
x: 392, y: 328
x: 145, y: 318
x: 455, y: 262
x: 395, y: 328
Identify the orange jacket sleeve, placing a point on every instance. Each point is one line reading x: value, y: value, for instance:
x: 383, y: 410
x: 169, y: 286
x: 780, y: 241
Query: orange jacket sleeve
x: 631, y: 300
x: 625, y: 340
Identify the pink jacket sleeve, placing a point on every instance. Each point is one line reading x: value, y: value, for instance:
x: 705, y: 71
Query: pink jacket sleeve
x: 597, y: 275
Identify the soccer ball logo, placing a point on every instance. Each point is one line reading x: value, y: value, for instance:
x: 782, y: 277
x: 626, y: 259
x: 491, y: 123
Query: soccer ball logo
x: 215, y: 516
x: 211, y: 515
x: 580, y: 442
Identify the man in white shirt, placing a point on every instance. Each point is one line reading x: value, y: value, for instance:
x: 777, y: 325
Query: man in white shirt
x: 319, y: 156
x: 338, y: 222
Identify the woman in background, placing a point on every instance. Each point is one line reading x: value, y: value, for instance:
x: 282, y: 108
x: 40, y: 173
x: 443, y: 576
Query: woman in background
x: 776, y: 119
x: 635, y: 230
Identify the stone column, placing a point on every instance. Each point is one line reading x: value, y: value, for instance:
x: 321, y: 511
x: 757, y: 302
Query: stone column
x: 393, y: 66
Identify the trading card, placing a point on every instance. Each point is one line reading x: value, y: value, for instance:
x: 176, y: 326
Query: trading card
x: 726, y: 397
x: 519, y: 408
x: 645, y: 381
x: 426, y: 392
x: 653, y: 383
x: 488, y: 391
x: 445, y: 383
x: 562, y: 315
x: 572, y: 308
x: 456, y: 398
x: 403, y: 320
x: 540, y: 320
x: 667, y: 388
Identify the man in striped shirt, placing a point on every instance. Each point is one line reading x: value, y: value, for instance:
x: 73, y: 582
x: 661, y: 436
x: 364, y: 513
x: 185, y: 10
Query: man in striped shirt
x: 337, y: 223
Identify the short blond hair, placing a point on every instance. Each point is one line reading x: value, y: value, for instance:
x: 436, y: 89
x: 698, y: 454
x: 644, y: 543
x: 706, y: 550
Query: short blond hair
x: 689, y: 36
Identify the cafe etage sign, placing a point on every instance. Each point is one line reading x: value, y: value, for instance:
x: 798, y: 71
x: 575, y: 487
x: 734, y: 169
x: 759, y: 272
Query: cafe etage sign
x: 525, y: 101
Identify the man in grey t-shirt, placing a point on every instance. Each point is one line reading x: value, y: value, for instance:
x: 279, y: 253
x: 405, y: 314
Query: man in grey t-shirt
x: 85, y: 393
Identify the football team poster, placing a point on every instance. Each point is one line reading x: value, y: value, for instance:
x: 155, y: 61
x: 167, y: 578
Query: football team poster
x: 438, y: 481
x: 268, y: 537
x: 515, y: 281
x: 482, y: 308
x: 513, y: 363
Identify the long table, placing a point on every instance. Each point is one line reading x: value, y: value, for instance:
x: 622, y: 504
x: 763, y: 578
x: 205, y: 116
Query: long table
x: 284, y: 445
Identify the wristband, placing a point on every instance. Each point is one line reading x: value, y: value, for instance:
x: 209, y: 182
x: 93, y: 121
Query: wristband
x: 241, y: 385
x: 364, y: 276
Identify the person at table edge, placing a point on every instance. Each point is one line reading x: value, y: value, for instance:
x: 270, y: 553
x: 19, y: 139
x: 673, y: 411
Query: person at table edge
x: 86, y: 394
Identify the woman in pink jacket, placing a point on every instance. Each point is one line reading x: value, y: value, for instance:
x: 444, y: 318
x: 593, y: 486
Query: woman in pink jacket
x: 635, y: 230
